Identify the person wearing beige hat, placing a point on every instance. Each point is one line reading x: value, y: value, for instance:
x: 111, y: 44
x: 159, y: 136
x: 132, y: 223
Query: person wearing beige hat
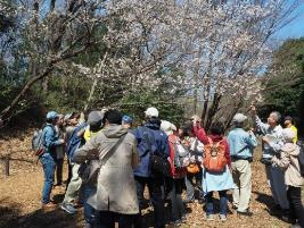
x: 288, y: 161
x: 241, y: 145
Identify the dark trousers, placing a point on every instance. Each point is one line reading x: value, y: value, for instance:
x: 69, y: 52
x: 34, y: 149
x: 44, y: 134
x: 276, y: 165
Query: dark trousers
x: 175, y: 188
x: 107, y: 219
x: 59, y: 169
x: 296, y: 206
x: 156, y: 195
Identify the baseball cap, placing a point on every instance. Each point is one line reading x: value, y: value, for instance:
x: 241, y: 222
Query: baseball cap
x: 151, y: 112
x: 239, y: 118
x: 95, y: 117
x: 51, y: 115
x: 127, y: 119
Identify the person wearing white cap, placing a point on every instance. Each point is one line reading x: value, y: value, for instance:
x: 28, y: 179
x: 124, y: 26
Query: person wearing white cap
x: 144, y: 176
x: 174, y: 185
x: 289, y: 162
x: 241, y: 145
x: 151, y: 112
x: 272, y: 143
x: 50, y: 141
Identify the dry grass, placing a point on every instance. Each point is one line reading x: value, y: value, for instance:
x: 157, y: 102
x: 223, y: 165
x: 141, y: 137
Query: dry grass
x: 20, y: 197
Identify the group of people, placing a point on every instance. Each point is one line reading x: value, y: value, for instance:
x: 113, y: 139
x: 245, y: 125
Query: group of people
x: 111, y: 163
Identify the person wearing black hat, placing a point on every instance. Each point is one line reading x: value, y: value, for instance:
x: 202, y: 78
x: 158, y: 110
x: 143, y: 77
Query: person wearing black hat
x: 288, y: 123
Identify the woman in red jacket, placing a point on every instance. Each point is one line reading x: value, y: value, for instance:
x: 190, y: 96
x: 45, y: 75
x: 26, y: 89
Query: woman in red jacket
x: 174, y: 184
x: 219, y: 181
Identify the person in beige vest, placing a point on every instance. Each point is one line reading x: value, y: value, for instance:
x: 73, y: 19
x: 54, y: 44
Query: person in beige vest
x: 289, y: 162
x: 115, y: 199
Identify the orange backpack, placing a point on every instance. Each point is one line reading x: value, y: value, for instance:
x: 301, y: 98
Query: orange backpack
x: 214, y: 157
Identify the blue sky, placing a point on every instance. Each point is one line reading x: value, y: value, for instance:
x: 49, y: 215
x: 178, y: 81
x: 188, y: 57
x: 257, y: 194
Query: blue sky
x: 295, y: 29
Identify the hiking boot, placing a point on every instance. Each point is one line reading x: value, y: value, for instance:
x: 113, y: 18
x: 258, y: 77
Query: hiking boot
x: 245, y: 213
x: 69, y: 208
x: 288, y: 219
x: 210, y: 217
x: 46, y: 207
x: 223, y: 218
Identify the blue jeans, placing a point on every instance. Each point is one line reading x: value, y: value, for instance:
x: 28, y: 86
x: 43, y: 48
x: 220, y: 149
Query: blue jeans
x: 88, y: 210
x: 223, y: 203
x: 48, y: 165
x: 155, y: 190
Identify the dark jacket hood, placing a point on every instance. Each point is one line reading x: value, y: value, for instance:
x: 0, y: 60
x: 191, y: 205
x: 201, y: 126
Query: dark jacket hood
x: 153, y: 123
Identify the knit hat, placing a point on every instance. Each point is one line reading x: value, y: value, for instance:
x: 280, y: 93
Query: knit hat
x: 239, y: 118
x: 51, y: 115
x: 288, y: 135
x: 151, y: 112
x: 167, y: 127
x: 95, y: 117
x: 127, y: 119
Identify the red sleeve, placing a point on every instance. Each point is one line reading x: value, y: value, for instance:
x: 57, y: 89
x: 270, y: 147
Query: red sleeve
x: 227, y: 152
x: 172, y: 153
x: 200, y: 133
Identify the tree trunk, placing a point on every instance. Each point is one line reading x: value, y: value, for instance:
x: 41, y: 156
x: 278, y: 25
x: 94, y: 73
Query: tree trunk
x: 213, y: 109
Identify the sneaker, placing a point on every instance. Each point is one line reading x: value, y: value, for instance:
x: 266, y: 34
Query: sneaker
x: 69, y: 208
x: 223, y: 218
x: 245, y: 213
x: 210, y: 217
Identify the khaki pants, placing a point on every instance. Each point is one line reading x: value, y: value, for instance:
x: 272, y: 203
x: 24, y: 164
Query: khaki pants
x: 74, y: 185
x: 241, y: 172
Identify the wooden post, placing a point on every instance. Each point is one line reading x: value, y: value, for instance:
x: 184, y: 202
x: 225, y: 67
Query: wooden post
x: 6, y: 164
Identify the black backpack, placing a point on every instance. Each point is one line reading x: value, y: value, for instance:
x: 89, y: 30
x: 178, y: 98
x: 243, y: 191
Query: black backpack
x: 301, y: 157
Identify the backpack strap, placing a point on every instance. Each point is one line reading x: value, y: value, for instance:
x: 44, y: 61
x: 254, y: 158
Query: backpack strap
x: 144, y: 130
x: 210, y: 141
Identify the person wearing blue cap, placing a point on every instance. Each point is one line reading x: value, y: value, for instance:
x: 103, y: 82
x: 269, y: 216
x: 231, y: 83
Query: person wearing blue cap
x: 48, y: 158
x: 127, y: 121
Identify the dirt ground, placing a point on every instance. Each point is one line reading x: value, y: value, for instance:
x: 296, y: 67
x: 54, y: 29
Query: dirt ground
x: 20, y: 196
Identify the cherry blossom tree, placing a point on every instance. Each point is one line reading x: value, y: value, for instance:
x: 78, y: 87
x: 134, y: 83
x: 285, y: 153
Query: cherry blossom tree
x: 210, y: 49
